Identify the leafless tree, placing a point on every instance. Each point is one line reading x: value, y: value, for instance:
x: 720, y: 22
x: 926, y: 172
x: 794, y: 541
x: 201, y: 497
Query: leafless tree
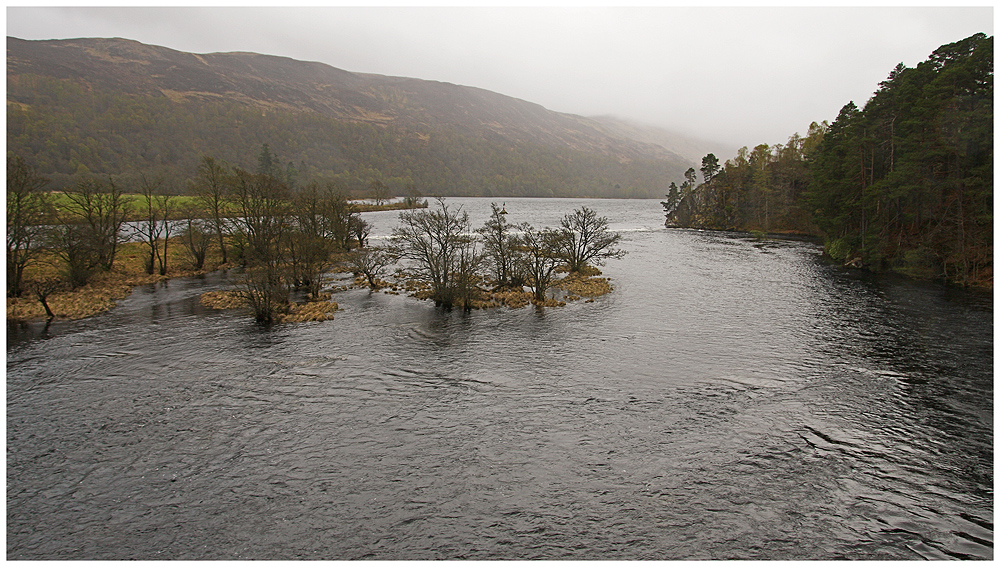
x: 539, y: 255
x: 379, y: 191
x: 499, y: 248
x: 585, y: 239
x: 264, y: 227
x: 155, y: 226
x: 439, y: 242
x: 372, y: 263
x: 196, y: 238
x: 43, y: 289
x: 27, y: 212
x: 211, y: 187
x: 312, y: 239
x: 101, y: 209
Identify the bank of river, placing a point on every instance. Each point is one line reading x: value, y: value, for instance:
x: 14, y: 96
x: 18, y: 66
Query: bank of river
x: 732, y: 398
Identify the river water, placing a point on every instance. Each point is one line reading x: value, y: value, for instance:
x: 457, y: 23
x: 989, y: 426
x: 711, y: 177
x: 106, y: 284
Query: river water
x: 731, y: 399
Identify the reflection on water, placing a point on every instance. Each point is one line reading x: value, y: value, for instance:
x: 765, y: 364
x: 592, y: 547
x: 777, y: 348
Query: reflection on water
x: 731, y: 399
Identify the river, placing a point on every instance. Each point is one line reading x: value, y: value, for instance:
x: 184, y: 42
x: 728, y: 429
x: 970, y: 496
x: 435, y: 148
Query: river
x: 730, y: 399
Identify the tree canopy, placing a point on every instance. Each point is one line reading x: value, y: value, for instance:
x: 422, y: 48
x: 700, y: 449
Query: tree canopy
x: 904, y: 183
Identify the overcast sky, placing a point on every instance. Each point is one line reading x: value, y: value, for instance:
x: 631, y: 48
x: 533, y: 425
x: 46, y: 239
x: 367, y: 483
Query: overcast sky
x: 737, y: 75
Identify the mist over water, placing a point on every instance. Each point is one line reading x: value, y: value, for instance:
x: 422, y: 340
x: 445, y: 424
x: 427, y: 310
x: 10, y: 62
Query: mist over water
x: 732, y: 398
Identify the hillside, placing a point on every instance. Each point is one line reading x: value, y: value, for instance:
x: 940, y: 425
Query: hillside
x: 116, y: 106
x: 691, y: 149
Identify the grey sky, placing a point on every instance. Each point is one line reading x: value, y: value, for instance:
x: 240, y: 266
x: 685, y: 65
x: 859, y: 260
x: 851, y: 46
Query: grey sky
x: 737, y: 75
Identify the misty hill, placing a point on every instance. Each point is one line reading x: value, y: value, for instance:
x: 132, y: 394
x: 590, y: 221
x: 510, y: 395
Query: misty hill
x: 115, y: 106
x: 691, y: 149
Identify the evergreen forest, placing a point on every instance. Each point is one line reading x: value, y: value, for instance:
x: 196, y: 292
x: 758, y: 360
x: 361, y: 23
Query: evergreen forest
x: 903, y: 184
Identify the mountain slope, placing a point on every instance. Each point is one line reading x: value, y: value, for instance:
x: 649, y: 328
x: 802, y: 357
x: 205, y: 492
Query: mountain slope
x: 691, y: 149
x: 115, y: 105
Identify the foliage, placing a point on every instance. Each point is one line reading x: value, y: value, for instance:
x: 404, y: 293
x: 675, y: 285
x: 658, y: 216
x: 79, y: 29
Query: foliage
x: 905, y: 181
x: 913, y: 170
x: 759, y: 190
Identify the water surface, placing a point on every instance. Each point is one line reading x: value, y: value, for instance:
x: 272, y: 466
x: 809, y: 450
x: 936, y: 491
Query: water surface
x: 732, y: 398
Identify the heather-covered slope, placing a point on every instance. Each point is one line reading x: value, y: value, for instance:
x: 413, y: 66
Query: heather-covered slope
x: 116, y: 106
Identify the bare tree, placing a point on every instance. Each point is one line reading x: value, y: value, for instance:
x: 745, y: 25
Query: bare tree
x: 196, y: 238
x: 74, y: 244
x: 312, y: 240
x: 585, y: 239
x: 440, y: 243
x: 379, y: 191
x: 155, y: 226
x: 27, y: 209
x: 43, y: 289
x: 360, y: 229
x: 412, y: 199
x: 372, y: 263
x: 539, y: 256
x: 500, y: 247
x: 101, y: 209
x: 211, y: 187
x: 264, y: 227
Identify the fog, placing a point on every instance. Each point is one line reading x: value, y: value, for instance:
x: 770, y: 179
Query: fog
x: 739, y: 76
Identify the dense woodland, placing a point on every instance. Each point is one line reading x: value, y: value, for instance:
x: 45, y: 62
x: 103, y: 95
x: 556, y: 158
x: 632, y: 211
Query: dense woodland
x: 903, y: 184
x: 68, y: 130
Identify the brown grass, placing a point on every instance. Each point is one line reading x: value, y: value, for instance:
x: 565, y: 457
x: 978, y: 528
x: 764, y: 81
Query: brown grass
x: 318, y: 309
x: 309, y: 311
x: 584, y: 284
x: 104, y: 289
x: 225, y: 299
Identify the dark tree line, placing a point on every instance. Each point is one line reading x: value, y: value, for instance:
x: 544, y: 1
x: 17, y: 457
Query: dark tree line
x: 905, y: 183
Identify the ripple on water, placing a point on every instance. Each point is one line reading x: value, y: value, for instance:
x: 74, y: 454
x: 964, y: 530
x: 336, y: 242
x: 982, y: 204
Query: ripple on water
x: 731, y: 399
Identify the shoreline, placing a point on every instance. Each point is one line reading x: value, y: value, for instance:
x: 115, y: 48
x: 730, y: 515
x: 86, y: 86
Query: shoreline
x: 984, y: 285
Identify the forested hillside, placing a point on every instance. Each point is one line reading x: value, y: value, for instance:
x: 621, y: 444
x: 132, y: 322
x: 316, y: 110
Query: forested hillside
x: 113, y: 106
x: 904, y: 184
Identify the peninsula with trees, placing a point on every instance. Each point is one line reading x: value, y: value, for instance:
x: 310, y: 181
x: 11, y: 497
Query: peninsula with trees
x: 904, y: 184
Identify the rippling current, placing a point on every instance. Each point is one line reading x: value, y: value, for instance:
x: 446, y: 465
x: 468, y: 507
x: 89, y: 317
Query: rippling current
x: 731, y: 399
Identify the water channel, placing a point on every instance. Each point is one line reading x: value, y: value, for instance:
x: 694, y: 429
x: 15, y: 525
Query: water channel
x: 731, y: 399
